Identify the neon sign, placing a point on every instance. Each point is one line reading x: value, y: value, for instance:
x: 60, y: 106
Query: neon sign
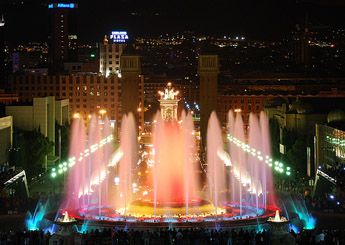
x: 62, y: 5
x: 119, y: 36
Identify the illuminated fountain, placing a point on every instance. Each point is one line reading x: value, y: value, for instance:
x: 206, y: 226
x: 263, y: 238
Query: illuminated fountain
x: 67, y: 231
x: 238, y: 186
x: 279, y: 234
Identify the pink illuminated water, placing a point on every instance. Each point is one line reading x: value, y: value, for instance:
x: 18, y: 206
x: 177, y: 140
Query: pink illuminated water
x: 215, y: 169
x: 174, y: 179
x: 87, y: 165
x: 250, y: 167
x: 243, y: 177
x: 129, y: 144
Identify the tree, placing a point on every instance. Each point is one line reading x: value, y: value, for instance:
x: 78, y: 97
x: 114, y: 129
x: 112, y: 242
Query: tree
x: 34, y: 147
x: 297, y: 156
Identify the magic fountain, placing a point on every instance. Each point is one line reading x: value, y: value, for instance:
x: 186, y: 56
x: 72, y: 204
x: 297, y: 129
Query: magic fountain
x: 236, y: 187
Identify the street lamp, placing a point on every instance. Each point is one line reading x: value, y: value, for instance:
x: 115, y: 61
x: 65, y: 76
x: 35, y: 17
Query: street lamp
x: 102, y: 111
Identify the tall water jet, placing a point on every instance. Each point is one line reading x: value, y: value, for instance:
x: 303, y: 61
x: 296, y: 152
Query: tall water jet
x: 87, y: 166
x: 76, y: 165
x: 107, y: 132
x: 231, y: 123
x: 255, y: 164
x: 266, y: 153
x: 129, y: 147
x: 216, y: 168
x: 174, y: 163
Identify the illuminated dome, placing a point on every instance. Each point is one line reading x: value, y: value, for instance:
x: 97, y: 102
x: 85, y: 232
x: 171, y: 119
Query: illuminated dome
x: 336, y: 115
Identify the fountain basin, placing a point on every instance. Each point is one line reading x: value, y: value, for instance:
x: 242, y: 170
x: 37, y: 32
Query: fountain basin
x: 200, y: 208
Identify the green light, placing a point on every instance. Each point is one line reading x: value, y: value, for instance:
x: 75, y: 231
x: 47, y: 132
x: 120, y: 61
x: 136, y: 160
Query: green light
x: 60, y: 165
x: 53, y: 169
x: 280, y: 165
x: 53, y: 175
x: 60, y: 171
x: 270, y: 165
x: 92, y: 55
x: 288, y: 173
x: 288, y: 168
x: 65, y: 169
x: 65, y: 163
x: 281, y: 170
x: 276, y: 163
x: 276, y: 168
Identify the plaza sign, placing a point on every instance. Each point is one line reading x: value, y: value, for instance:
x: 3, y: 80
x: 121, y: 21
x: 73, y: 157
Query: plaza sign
x: 119, y: 36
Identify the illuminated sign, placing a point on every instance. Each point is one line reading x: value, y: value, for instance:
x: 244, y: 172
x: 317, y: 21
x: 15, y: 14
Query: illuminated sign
x: 119, y: 36
x: 62, y: 5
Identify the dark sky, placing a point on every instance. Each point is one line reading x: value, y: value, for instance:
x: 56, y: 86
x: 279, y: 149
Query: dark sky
x: 257, y: 19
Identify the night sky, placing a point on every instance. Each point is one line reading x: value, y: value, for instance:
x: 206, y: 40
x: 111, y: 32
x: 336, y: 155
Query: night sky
x: 265, y: 19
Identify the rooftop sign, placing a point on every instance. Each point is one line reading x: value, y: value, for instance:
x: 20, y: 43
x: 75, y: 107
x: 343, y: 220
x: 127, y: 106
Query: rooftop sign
x: 119, y: 36
x: 63, y: 5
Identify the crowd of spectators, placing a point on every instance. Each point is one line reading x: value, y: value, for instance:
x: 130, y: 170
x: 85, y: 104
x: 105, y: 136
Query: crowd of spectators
x: 195, y: 236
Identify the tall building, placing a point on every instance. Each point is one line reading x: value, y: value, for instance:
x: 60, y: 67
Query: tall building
x: 132, y: 99
x: 110, y: 53
x: 208, y: 70
x: 63, y: 35
x: 2, y: 56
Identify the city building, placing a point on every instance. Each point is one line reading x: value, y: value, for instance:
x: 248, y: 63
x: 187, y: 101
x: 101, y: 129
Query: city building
x: 7, y: 98
x: 87, y: 94
x: 110, y: 53
x: 330, y: 140
x: 241, y: 104
x: 41, y: 114
x: 81, y: 68
x: 6, y: 138
x: 63, y: 35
